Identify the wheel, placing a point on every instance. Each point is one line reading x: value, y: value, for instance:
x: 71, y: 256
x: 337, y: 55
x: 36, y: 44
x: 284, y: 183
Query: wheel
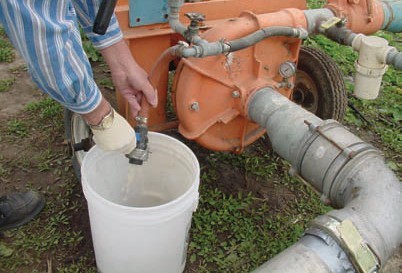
x: 78, y: 133
x: 79, y: 136
x: 319, y: 85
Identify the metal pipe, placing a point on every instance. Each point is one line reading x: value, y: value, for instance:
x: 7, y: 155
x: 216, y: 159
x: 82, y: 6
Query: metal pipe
x: 394, y: 58
x: 315, y: 17
x: 204, y: 48
x: 188, y: 33
x: 367, y: 228
x: 174, y: 16
x: 264, y: 33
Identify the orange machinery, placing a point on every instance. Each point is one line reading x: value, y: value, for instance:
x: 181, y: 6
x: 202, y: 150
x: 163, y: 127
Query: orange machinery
x: 210, y: 94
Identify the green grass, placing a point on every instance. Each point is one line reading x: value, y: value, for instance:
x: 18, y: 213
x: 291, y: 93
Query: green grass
x: 237, y: 231
x: 17, y: 127
x: 7, y: 54
x: 46, y: 108
x: 6, y: 84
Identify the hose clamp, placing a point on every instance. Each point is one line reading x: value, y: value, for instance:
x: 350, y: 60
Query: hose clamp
x: 349, y: 238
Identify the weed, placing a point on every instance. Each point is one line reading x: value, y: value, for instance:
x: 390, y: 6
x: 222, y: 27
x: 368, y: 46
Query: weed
x: 79, y: 266
x: 6, y: 84
x: 315, y: 4
x: 7, y: 53
x: 47, y: 109
x: 3, y: 170
x: 17, y: 127
x: 18, y: 69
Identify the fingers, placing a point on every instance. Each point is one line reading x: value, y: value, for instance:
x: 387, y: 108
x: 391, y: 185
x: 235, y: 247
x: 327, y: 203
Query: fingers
x: 135, y: 107
x: 139, y: 97
x: 149, y: 92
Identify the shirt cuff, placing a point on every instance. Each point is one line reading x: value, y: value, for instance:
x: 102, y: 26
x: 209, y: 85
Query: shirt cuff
x: 113, y: 35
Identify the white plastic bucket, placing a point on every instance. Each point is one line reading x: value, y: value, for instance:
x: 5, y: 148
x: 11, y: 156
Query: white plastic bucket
x: 141, y: 225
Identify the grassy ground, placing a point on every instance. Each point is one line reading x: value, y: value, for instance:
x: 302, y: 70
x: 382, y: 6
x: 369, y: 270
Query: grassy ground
x: 250, y: 207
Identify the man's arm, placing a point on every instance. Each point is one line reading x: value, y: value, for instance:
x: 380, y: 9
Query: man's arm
x: 47, y: 36
x: 128, y: 77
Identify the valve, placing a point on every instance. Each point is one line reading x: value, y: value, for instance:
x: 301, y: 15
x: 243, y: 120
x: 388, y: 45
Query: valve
x: 196, y: 20
x: 141, y: 151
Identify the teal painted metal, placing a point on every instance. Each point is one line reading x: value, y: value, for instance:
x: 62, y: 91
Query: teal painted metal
x: 392, y: 15
x: 147, y: 12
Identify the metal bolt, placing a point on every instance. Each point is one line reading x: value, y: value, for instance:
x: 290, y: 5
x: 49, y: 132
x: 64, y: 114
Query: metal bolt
x: 195, y: 106
x: 235, y: 94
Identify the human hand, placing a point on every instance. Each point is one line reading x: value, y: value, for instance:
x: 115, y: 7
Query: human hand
x: 116, y: 135
x: 128, y: 77
x: 110, y: 130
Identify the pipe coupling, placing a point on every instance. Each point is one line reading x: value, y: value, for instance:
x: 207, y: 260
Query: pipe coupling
x: 325, y: 151
x: 349, y: 238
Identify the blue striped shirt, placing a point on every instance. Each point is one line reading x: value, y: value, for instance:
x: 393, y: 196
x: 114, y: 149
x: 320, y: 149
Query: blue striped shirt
x: 47, y: 35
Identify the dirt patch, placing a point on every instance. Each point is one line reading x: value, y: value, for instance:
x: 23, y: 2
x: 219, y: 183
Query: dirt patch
x: 23, y: 90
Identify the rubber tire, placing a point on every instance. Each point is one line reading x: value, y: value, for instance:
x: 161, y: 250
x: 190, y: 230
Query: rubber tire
x: 328, y: 80
x: 68, y: 128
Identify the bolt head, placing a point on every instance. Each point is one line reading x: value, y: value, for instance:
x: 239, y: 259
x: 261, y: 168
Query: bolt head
x: 195, y: 106
x: 235, y: 94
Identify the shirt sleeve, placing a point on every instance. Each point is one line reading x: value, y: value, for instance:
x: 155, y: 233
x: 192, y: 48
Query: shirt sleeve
x: 47, y: 35
x: 86, y: 13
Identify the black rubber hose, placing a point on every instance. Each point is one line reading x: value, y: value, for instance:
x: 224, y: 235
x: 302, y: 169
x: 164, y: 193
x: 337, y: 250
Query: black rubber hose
x: 103, y: 16
x: 341, y: 35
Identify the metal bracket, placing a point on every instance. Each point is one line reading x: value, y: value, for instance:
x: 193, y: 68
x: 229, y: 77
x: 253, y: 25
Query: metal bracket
x: 347, y: 235
x: 148, y: 12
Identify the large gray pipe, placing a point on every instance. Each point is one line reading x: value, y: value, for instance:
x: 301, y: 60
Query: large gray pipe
x: 367, y: 228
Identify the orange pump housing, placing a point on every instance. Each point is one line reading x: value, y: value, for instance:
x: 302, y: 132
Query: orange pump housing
x: 220, y: 86
x: 220, y: 123
x: 210, y: 94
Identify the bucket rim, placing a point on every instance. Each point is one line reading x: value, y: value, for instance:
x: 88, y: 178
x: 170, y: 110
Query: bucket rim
x: 87, y: 189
